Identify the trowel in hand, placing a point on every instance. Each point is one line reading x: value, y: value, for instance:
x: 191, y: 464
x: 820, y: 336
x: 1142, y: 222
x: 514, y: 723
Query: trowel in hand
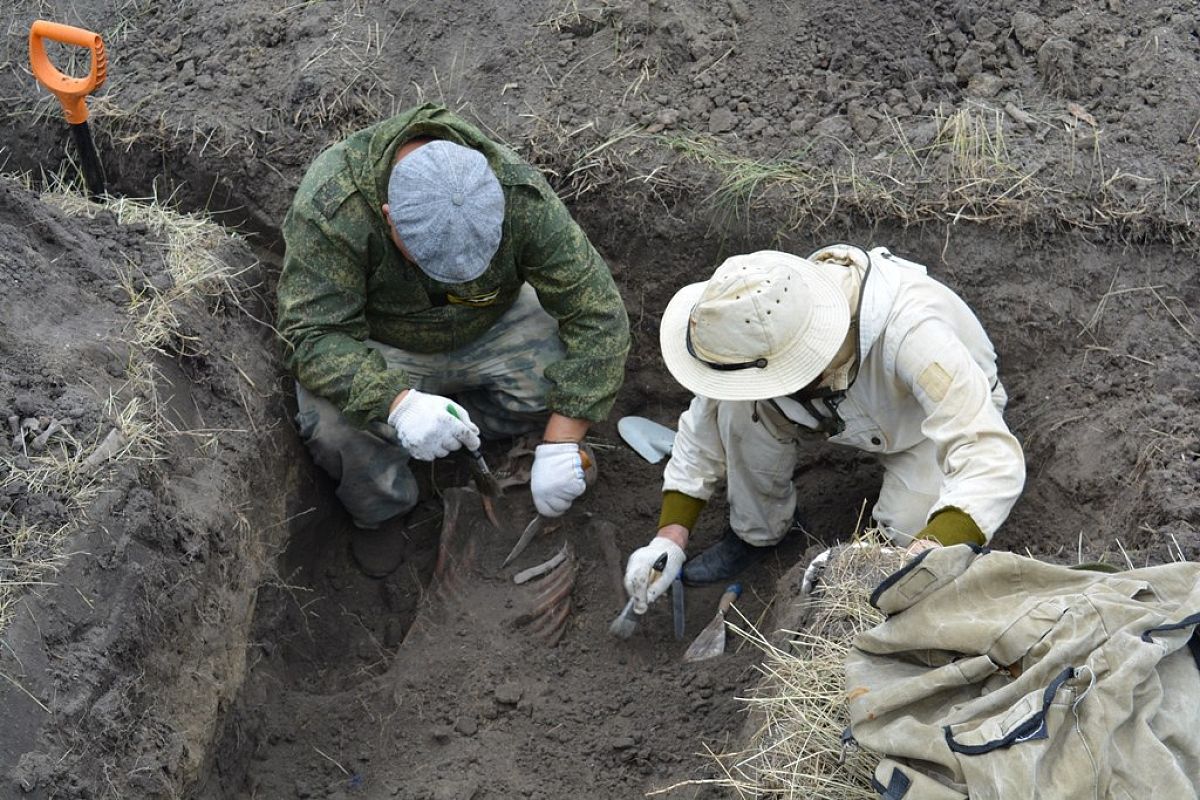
x: 627, y: 621
x: 648, y: 439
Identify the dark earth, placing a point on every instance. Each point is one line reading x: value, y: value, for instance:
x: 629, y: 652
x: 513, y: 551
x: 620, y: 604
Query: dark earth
x: 203, y: 632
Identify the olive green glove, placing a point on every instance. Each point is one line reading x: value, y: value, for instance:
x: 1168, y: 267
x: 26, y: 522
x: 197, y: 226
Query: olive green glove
x: 951, y: 525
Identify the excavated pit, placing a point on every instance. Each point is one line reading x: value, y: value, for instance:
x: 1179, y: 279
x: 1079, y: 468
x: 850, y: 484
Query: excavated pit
x: 208, y: 635
x: 339, y: 694
x: 342, y: 699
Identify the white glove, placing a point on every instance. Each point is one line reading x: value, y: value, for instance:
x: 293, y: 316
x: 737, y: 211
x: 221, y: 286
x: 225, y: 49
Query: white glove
x: 641, y: 582
x: 430, y: 426
x: 557, y: 477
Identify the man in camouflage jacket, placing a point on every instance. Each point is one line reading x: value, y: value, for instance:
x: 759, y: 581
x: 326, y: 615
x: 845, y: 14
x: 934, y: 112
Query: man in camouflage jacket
x: 535, y: 334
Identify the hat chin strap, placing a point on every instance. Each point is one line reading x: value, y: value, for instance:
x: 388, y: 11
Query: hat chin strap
x: 758, y: 363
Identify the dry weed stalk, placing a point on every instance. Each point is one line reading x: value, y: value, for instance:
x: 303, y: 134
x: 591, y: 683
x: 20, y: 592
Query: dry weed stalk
x: 799, y: 705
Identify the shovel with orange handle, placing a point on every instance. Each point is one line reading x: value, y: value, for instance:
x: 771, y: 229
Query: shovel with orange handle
x: 72, y: 92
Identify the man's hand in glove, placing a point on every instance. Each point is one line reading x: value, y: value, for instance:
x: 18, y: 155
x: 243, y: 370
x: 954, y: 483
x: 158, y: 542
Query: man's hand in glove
x: 645, y: 584
x: 430, y: 426
x: 558, y: 477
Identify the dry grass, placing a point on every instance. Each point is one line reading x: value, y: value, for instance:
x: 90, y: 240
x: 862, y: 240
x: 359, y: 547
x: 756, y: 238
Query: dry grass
x: 74, y: 470
x: 968, y: 172
x: 799, y: 705
x: 580, y: 161
x: 347, y: 89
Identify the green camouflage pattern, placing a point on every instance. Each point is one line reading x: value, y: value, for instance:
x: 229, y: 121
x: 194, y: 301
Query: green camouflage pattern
x: 344, y: 281
x: 499, y: 379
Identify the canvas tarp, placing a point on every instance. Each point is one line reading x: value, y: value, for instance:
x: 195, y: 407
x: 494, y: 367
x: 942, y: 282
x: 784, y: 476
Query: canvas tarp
x: 999, y: 676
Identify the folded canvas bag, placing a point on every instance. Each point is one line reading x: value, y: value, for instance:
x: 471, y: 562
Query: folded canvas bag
x: 1000, y: 676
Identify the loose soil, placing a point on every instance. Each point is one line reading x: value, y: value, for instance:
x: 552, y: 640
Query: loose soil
x: 205, y: 634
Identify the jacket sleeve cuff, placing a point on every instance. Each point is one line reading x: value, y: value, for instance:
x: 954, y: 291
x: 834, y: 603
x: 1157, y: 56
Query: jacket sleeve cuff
x: 679, y: 509
x: 950, y: 526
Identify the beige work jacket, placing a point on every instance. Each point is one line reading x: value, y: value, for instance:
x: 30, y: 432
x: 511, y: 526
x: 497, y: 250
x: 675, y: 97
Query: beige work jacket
x: 926, y: 373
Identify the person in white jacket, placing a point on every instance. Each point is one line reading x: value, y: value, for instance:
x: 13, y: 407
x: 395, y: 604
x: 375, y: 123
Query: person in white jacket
x: 860, y: 347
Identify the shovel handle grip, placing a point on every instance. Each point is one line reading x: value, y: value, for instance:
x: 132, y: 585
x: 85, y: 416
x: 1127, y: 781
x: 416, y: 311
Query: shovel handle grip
x: 69, y: 91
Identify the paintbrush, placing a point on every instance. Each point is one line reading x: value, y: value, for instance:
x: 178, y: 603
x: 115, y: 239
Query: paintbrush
x: 627, y: 621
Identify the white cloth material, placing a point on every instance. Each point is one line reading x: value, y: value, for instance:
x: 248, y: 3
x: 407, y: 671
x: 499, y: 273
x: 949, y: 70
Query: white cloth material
x: 775, y: 316
x: 926, y: 400
x: 430, y: 426
x: 641, y: 582
x: 557, y: 478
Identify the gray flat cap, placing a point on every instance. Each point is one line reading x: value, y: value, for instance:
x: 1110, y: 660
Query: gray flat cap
x: 448, y: 209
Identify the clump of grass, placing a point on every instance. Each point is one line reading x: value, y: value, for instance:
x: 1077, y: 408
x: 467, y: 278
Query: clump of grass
x: 963, y: 175
x: 970, y: 171
x: 191, y: 247
x: 799, y: 706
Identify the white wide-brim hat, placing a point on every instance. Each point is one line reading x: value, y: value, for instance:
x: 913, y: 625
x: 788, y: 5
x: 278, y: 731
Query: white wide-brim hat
x: 764, y: 325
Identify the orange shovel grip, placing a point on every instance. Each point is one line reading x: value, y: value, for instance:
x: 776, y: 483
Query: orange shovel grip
x: 70, y: 91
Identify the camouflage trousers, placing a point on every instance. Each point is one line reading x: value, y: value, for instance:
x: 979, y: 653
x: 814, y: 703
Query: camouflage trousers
x: 499, y: 379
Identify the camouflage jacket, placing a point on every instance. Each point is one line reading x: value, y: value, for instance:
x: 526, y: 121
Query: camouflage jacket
x: 344, y: 281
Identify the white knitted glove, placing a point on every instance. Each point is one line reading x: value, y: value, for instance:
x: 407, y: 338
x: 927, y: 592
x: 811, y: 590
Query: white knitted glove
x: 645, y: 584
x: 430, y: 426
x: 557, y: 477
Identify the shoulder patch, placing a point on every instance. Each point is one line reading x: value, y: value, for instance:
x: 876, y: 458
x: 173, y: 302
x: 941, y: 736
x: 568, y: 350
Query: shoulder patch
x: 330, y: 196
x: 935, y: 380
x: 518, y: 174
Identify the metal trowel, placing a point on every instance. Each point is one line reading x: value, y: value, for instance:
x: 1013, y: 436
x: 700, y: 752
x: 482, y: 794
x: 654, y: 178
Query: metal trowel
x: 711, y: 641
x: 648, y: 439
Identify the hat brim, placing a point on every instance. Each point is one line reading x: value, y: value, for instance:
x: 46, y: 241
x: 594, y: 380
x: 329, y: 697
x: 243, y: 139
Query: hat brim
x: 790, y: 370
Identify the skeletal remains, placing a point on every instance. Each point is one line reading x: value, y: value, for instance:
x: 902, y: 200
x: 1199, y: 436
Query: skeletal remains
x: 23, y: 429
x: 543, y: 592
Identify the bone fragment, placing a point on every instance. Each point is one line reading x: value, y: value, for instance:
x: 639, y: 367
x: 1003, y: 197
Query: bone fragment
x: 108, y: 448
x: 524, y: 576
x: 605, y: 532
x: 1019, y: 115
x: 39, y: 444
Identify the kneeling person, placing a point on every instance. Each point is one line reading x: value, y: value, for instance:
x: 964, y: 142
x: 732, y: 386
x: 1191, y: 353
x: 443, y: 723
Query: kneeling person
x: 861, y: 348
x: 423, y: 262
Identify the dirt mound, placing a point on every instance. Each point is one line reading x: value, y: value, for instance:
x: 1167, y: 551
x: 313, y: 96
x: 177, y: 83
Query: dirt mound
x: 1039, y: 157
x: 1046, y: 113
x: 123, y: 532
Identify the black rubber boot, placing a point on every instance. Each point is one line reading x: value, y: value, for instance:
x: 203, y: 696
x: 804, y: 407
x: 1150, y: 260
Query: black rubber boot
x: 378, y: 553
x: 731, y: 556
